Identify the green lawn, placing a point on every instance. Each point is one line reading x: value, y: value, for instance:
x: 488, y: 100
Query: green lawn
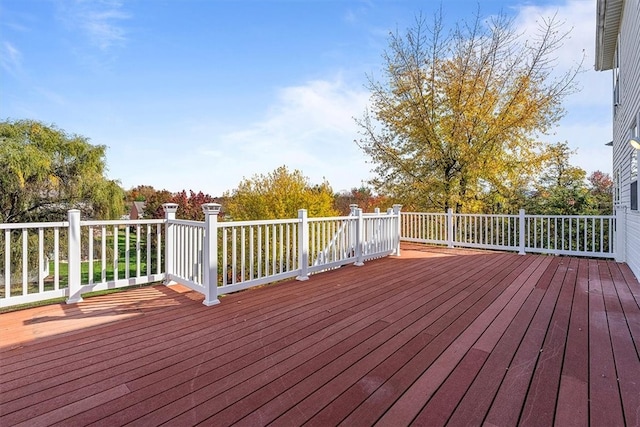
x: 97, y: 271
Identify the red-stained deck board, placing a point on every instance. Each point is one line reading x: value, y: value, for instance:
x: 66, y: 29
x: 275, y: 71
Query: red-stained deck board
x: 121, y: 371
x: 512, y: 391
x: 477, y: 400
x: 630, y: 306
x: 540, y: 403
x: 208, y: 385
x: 572, y: 407
x: 448, y: 395
x: 450, y: 314
x: 434, y: 337
x: 323, y: 371
x: 625, y: 352
x: 440, y: 407
x: 377, y: 368
x: 604, y: 397
x: 375, y: 405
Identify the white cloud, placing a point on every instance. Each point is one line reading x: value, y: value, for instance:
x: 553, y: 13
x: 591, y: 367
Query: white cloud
x: 308, y: 127
x: 10, y: 58
x: 311, y: 128
x: 99, y: 20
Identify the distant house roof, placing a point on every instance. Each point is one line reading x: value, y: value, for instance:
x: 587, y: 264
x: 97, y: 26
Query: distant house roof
x: 137, y: 210
x: 608, y: 17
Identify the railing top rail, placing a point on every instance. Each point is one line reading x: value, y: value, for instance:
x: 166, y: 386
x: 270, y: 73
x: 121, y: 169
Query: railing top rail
x: 379, y: 215
x: 486, y: 215
x: 571, y: 216
x: 423, y: 213
x: 333, y: 218
x: 227, y: 224
x: 122, y: 222
x: 186, y: 222
x: 20, y: 226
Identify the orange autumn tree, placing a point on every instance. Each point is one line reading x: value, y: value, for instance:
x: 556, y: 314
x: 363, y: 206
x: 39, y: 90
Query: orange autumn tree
x: 454, y: 121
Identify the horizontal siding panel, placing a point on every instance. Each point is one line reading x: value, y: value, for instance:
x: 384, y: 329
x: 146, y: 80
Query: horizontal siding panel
x: 633, y: 242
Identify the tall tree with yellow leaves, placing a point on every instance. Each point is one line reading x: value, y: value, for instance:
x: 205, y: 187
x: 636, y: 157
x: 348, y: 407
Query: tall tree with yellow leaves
x: 454, y: 123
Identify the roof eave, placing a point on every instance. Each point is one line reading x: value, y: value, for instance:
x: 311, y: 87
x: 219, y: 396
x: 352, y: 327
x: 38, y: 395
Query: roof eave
x: 608, y: 19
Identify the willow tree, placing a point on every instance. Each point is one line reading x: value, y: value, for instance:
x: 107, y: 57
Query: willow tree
x: 44, y: 172
x: 454, y: 120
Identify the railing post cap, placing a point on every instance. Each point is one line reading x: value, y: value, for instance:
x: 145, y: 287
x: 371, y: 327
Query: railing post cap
x: 397, y: 207
x: 170, y: 207
x: 211, y: 208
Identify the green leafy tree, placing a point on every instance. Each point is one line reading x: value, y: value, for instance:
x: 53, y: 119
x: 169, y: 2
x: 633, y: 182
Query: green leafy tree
x: 562, y: 188
x: 45, y: 171
x: 277, y: 195
x: 453, y: 122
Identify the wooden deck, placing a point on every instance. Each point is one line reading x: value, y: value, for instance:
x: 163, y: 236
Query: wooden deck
x: 435, y: 337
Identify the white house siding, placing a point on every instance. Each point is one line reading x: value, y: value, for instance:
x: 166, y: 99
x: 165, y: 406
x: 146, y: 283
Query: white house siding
x: 633, y: 242
x: 626, y: 115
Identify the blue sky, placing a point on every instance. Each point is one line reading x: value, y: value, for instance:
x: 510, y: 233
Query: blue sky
x: 196, y: 94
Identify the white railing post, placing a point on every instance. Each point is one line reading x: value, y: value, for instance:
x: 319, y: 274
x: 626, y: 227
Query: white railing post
x: 353, y: 209
x: 169, y: 240
x: 450, y: 233
x: 210, y: 253
x: 398, y: 229
x: 303, y: 245
x: 620, y: 235
x: 359, y: 238
x: 521, y: 232
x: 73, y: 259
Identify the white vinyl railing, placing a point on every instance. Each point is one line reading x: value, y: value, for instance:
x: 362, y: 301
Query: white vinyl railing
x: 243, y: 254
x: 577, y: 235
x: 31, y: 262
x: 257, y: 252
x: 570, y: 235
x: 42, y: 261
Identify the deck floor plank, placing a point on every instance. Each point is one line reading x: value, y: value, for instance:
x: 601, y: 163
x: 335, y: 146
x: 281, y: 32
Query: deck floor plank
x: 605, y: 406
x: 540, y: 403
x: 572, y: 406
x: 406, y: 404
x: 625, y: 352
x: 208, y: 385
x: 435, y: 337
x: 374, y: 382
x: 398, y: 307
x: 441, y: 407
x: 479, y: 397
